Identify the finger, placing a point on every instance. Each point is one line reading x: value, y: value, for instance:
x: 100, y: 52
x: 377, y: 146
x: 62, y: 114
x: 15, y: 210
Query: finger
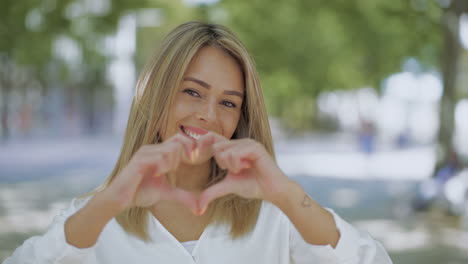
x: 221, y: 159
x: 232, y: 162
x: 235, y: 157
x: 238, y: 160
x: 172, y: 152
x: 175, y: 152
x: 161, y: 154
x: 135, y: 174
x: 218, y: 190
x: 204, y: 144
x: 188, y: 145
x: 246, y: 154
x: 155, y: 164
x: 225, y: 160
x: 163, y: 162
x: 209, y: 139
x: 146, y: 165
x: 245, y: 164
x: 224, y: 145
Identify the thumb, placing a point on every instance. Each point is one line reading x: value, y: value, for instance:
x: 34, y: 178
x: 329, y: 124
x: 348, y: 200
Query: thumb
x: 218, y: 190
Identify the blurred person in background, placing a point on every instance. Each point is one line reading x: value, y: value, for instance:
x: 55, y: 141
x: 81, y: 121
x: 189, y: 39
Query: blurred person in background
x: 432, y: 189
x: 196, y: 179
x: 367, y: 137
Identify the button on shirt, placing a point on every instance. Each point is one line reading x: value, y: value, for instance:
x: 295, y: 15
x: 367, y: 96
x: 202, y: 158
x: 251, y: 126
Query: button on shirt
x: 273, y: 240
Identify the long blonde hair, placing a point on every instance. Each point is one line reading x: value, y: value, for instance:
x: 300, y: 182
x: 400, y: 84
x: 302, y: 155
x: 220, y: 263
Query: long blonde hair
x: 155, y: 92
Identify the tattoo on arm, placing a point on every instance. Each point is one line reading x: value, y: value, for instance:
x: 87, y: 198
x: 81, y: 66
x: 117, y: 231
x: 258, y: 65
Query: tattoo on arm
x: 306, y: 202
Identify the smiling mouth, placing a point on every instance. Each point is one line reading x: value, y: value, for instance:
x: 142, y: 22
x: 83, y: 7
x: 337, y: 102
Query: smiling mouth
x: 190, y: 133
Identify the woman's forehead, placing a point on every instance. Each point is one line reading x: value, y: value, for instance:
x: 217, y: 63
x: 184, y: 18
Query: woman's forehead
x: 215, y: 68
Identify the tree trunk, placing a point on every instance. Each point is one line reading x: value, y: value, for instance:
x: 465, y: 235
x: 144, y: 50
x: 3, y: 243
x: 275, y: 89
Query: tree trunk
x: 89, y: 109
x: 5, y: 95
x: 5, y: 92
x: 449, y: 65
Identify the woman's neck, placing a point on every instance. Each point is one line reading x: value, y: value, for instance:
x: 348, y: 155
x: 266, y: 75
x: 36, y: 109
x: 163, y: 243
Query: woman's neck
x: 192, y: 177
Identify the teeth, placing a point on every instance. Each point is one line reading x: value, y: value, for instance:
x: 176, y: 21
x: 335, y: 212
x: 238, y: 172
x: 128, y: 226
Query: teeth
x: 193, y: 135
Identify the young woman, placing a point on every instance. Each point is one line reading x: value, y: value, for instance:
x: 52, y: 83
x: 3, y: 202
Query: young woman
x: 196, y: 180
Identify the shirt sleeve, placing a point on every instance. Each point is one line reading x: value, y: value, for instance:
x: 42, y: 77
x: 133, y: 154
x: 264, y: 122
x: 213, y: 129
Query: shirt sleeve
x: 354, y: 246
x: 52, y: 247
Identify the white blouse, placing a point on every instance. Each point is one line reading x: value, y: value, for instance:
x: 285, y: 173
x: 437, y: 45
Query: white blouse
x: 189, y: 245
x: 273, y: 240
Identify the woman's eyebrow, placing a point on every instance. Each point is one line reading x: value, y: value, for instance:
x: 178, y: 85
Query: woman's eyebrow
x: 200, y: 82
x: 236, y: 93
x: 207, y: 86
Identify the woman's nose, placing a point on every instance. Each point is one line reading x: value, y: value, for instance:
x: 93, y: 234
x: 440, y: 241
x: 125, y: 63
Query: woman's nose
x: 208, y: 112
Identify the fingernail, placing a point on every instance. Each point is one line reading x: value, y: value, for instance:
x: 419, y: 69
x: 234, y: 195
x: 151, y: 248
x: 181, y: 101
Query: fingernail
x: 247, y: 164
x: 201, y: 211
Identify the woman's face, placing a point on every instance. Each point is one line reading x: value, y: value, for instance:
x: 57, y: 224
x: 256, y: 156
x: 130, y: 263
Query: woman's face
x: 209, y: 98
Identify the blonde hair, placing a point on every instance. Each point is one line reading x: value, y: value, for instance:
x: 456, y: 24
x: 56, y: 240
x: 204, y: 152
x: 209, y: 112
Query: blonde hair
x: 155, y: 92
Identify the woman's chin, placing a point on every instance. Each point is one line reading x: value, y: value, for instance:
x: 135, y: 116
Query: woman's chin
x: 199, y: 160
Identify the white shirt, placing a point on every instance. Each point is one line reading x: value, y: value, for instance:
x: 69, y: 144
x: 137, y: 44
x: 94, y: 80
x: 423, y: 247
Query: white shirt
x: 273, y: 240
x: 189, y: 245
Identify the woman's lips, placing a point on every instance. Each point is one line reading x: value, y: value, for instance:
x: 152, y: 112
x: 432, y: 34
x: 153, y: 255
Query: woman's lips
x: 195, y: 130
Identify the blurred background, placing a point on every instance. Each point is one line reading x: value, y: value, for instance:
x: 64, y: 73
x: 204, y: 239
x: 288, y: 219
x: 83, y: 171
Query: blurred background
x: 368, y: 101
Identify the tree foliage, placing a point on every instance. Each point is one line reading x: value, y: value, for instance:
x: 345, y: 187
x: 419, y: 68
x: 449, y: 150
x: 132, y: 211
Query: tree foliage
x: 305, y: 47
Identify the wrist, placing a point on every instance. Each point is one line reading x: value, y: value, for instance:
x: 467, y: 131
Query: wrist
x: 108, y: 204
x: 286, y: 193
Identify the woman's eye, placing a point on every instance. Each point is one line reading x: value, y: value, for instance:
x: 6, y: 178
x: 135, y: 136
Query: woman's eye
x: 229, y: 104
x: 196, y: 94
x: 191, y: 92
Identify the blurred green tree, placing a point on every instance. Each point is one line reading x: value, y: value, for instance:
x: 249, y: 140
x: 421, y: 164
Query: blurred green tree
x: 31, y: 57
x: 305, y: 47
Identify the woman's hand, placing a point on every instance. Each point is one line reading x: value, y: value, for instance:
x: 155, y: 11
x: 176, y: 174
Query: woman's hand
x: 252, y: 172
x: 143, y: 182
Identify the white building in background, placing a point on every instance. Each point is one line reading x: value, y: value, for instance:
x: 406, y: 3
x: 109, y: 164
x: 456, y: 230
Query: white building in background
x: 122, y: 71
x: 461, y: 132
x: 409, y: 104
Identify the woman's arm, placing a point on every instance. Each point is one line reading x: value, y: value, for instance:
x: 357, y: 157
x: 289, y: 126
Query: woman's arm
x: 74, y: 232
x: 83, y: 228
x: 319, y: 234
x: 316, y: 225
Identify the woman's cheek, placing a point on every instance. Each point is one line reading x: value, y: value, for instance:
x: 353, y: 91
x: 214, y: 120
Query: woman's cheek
x: 229, y: 121
x: 184, y: 107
